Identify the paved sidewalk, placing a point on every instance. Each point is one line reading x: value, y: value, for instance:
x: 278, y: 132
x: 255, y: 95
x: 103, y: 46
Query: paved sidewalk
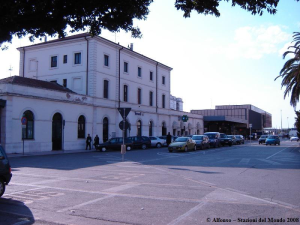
x: 56, y: 152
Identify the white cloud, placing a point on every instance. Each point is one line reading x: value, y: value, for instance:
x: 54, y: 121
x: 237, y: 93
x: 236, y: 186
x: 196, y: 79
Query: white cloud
x: 255, y: 42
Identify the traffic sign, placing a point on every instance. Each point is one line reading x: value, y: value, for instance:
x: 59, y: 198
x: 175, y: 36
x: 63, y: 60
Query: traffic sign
x: 24, y: 120
x: 185, y: 118
x: 127, y: 125
x: 124, y: 112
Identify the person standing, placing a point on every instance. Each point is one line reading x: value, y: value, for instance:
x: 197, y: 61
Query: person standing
x: 169, y: 139
x: 96, y: 141
x: 88, y: 142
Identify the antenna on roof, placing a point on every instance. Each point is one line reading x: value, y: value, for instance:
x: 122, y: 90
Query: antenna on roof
x: 10, y: 69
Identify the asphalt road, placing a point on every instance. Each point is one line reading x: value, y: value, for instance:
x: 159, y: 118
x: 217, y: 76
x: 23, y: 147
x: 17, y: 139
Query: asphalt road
x: 240, y: 184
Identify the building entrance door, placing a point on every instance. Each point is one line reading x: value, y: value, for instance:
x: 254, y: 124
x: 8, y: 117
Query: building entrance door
x: 57, y: 132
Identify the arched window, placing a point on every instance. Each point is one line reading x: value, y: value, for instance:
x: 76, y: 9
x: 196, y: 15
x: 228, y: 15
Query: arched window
x: 105, y: 129
x: 81, y: 127
x: 164, y: 129
x: 139, y: 128
x: 150, y: 128
x: 27, y: 130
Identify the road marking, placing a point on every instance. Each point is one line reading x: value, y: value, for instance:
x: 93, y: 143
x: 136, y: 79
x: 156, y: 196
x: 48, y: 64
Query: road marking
x: 85, y: 203
x: 121, y: 187
x: 188, y: 213
x: 276, y: 153
x: 270, y: 162
x: 244, y: 161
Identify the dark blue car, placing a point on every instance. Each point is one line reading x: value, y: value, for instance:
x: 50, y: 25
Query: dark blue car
x: 5, y: 171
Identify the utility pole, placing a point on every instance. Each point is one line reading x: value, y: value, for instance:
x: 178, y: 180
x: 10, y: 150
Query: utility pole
x: 281, y: 120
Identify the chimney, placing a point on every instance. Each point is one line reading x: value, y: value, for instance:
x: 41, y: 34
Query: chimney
x: 131, y: 46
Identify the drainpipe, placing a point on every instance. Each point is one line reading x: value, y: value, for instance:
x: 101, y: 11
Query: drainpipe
x: 87, y: 65
x: 120, y: 76
x: 24, y: 62
x: 156, y: 86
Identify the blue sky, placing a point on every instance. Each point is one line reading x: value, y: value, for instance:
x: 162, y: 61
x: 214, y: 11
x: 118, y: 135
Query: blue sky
x: 232, y: 59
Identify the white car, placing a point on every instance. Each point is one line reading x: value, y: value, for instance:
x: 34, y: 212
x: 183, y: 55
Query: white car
x: 157, y: 142
x: 294, y: 139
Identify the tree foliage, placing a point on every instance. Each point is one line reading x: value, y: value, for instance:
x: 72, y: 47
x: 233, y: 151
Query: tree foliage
x: 297, y: 122
x: 291, y: 71
x: 38, y: 18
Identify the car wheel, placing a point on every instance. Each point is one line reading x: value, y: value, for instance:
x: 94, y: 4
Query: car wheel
x: 170, y: 150
x: 144, y: 146
x: 103, y: 149
x: 158, y: 145
x: 185, y: 148
x: 2, y: 187
x: 230, y: 145
x: 128, y: 148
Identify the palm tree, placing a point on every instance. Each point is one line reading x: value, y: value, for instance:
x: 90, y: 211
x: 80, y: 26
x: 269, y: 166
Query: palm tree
x: 291, y: 71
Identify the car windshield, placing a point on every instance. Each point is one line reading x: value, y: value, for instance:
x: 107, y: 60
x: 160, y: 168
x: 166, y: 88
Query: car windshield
x: 237, y: 137
x: 181, y: 139
x: 272, y: 137
x: 230, y: 136
x: 264, y: 136
x: 211, y: 136
x: 223, y: 136
x: 197, y: 137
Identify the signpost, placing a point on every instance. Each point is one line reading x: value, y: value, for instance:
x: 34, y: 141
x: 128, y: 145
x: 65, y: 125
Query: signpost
x: 24, y: 122
x: 124, y: 125
x: 250, y: 126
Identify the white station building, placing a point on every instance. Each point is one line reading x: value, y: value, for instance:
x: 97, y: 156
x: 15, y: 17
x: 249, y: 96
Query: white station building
x: 71, y: 87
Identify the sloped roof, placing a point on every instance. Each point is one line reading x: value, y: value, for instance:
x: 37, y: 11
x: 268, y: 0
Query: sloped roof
x: 29, y: 82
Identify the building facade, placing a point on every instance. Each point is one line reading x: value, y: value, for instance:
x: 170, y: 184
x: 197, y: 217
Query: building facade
x: 235, y: 119
x: 68, y: 88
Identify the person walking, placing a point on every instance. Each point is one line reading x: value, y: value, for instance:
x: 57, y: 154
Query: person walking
x: 169, y: 139
x: 96, y: 141
x: 88, y: 142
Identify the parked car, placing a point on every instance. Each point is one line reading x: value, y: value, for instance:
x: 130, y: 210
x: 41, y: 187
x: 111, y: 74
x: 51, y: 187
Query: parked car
x: 234, y: 140
x: 240, y: 139
x: 213, y: 139
x: 142, y: 142
x: 115, y: 144
x: 273, y: 140
x: 165, y: 138
x: 202, y: 141
x: 157, y: 142
x: 262, y: 139
x: 225, y: 140
x: 294, y: 139
x: 183, y: 144
x: 5, y: 171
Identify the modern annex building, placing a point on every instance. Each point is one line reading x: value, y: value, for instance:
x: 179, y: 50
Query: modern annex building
x: 68, y: 88
x: 235, y: 119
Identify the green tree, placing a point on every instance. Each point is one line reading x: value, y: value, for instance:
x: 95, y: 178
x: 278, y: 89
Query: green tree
x: 297, y: 122
x: 291, y: 71
x: 38, y: 18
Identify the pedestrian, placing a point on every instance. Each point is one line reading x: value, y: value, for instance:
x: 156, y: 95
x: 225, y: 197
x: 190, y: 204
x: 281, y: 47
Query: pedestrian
x: 169, y: 139
x: 96, y: 141
x: 88, y: 142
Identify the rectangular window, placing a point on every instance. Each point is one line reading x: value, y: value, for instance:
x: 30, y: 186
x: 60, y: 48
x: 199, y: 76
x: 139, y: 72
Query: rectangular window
x: 125, y: 93
x: 65, y: 59
x: 151, y: 98
x: 163, y: 101
x: 125, y: 67
x: 139, y: 96
x: 105, y: 89
x: 77, y: 58
x: 54, y: 61
x: 139, y: 71
x: 163, y: 80
x: 65, y: 83
x: 106, y: 60
x: 151, y: 75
